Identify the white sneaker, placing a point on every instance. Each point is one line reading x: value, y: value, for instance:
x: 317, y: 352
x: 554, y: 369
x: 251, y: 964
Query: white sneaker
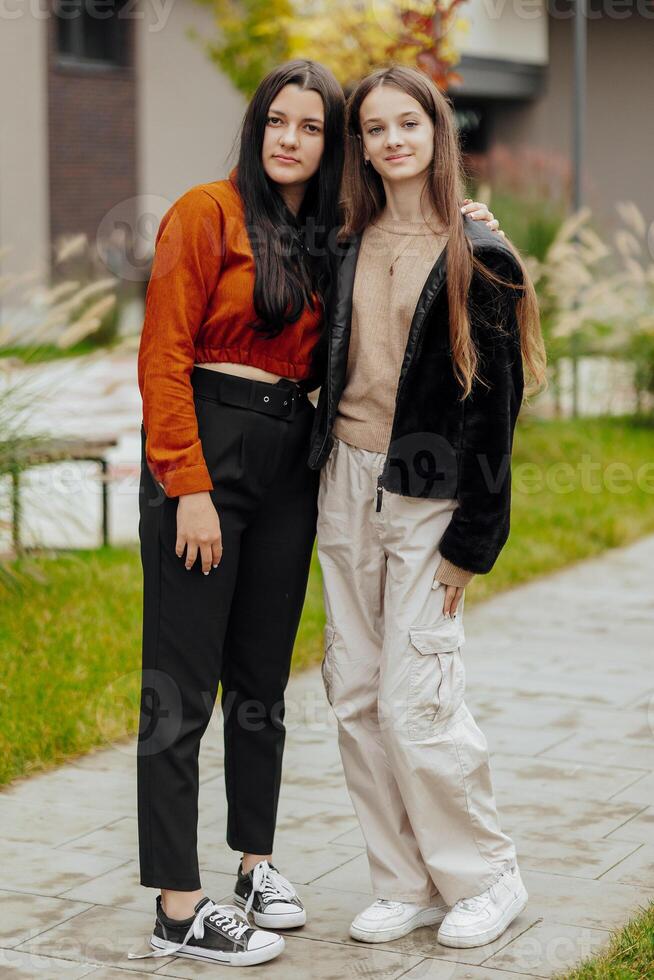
x: 384, y: 920
x: 479, y: 920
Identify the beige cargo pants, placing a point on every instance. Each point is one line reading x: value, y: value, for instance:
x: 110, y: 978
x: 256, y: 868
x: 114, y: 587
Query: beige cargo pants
x: 416, y: 764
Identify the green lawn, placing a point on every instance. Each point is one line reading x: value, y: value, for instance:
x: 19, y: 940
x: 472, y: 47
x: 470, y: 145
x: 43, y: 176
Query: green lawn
x: 628, y: 956
x: 70, y: 634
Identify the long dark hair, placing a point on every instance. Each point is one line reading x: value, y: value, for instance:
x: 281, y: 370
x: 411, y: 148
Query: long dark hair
x: 364, y: 199
x: 293, y: 257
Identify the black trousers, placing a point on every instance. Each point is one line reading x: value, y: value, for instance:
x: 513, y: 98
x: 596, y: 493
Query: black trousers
x: 236, y: 626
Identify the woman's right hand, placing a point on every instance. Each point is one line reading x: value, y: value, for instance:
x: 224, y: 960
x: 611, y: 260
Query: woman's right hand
x: 198, y: 529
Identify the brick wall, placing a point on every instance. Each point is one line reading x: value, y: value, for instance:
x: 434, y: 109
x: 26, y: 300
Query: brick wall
x: 91, y: 139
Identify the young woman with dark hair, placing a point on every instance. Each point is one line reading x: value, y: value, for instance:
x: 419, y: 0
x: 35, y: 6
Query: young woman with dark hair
x: 230, y: 348
x: 432, y: 319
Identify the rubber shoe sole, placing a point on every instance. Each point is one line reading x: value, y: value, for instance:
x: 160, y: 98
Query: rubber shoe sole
x: 250, y: 957
x: 483, y: 938
x: 426, y: 917
x: 267, y: 920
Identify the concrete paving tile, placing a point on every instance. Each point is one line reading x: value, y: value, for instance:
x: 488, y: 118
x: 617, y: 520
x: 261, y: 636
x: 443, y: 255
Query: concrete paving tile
x: 625, y: 753
x: 122, y: 888
x: 305, y: 817
x: 107, y: 973
x: 572, y: 816
x: 439, y: 970
x: 563, y: 719
x: 540, y: 686
x: 117, y: 839
x: 319, y: 737
x: 298, y: 862
x: 351, y: 875
x: 576, y: 856
x: 633, y: 724
x: 107, y: 793
x: 528, y: 778
x: 548, y: 948
x: 598, y: 904
x: 640, y: 828
x: 639, y: 792
x: 351, y: 838
x: 31, y: 822
x: 119, y: 757
x: 330, y: 913
x: 296, y: 818
x: 304, y: 958
x: 17, y: 964
x: 636, y: 869
x: 41, y: 870
x: 316, y: 783
x: 100, y: 935
x: 506, y: 740
x: 24, y: 915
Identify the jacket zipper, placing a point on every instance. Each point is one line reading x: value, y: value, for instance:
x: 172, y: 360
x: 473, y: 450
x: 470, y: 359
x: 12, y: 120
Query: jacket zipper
x: 380, y: 492
x: 327, y: 395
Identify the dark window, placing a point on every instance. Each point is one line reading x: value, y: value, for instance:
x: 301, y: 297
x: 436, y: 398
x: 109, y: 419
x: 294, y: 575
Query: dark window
x: 472, y: 123
x: 92, y: 31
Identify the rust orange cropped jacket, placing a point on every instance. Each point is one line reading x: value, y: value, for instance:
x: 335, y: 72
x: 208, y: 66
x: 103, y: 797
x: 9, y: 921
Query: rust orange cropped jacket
x: 198, y: 309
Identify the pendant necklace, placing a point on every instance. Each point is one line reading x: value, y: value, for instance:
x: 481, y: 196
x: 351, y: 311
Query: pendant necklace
x: 403, y: 250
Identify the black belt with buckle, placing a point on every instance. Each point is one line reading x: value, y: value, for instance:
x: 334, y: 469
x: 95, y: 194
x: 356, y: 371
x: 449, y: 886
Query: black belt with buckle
x: 281, y: 400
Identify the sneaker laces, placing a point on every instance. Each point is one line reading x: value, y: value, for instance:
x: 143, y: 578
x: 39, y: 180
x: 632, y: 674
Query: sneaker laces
x: 230, y: 919
x: 270, y: 884
x: 479, y: 901
x: 472, y: 904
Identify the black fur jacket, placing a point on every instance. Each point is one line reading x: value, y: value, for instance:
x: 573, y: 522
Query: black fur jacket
x: 442, y: 447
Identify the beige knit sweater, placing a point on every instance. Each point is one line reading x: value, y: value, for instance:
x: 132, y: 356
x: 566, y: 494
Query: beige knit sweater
x: 382, y: 310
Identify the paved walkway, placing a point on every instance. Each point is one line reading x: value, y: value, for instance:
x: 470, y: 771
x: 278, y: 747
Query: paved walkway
x: 559, y: 677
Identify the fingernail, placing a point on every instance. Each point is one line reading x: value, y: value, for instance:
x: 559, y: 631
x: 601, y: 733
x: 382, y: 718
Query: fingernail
x: 215, y: 566
x: 205, y: 573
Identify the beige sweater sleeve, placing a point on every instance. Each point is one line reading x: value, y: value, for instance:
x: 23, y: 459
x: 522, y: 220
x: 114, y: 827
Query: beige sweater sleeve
x: 449, y: 574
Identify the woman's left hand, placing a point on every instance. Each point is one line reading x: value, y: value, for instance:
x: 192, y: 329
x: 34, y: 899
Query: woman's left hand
x: 480, y: 212
x: 453, y: 595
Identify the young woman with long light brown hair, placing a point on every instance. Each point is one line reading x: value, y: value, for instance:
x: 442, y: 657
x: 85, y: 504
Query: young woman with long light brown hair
x: 434, y: 326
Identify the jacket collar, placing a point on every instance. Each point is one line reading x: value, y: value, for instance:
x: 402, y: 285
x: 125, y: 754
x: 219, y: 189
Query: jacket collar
x: 482, y: 239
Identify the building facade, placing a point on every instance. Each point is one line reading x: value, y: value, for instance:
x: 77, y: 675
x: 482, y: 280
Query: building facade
x: 104, y: 119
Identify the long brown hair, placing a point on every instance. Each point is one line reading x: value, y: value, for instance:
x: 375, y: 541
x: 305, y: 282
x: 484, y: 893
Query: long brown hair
x: 364, y: 199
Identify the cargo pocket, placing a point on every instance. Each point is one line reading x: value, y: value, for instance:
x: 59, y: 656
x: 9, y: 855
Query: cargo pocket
x: 436, y: 677
x: 327, y: 665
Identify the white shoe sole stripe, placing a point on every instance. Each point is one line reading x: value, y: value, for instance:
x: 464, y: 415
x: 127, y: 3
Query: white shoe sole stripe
x: 424, y: 918
x: 250, y: 957
x: 277, y: 920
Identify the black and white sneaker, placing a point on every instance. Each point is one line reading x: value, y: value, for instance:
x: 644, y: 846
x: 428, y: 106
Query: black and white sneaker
x: 218, y: 933
x: 272, y: 899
